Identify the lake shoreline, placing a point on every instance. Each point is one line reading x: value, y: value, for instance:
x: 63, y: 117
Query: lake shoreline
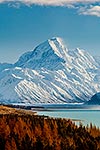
x: 54, y: 107
x: 77, y: 113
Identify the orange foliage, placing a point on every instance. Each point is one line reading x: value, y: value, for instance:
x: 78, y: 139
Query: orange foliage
x: 29, y: 132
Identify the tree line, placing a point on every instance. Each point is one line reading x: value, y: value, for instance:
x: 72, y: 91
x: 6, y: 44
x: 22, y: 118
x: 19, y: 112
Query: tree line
x: 32, y: 132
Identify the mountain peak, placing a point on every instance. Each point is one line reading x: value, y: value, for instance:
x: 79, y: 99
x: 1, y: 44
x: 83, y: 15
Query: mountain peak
x: 49, y: 54
x: 56, y: 39
x: 52, y: 54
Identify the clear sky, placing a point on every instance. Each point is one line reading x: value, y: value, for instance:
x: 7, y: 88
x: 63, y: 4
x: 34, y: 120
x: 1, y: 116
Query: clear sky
x: 25, y: 24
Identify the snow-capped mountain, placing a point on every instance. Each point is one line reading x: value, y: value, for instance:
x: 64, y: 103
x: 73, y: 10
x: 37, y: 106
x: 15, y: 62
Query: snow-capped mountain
x: 51, y: 74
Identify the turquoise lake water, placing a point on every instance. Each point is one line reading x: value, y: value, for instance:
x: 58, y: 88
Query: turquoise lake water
x: 87, y: 116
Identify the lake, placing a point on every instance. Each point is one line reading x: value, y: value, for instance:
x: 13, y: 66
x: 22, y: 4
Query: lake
x: 86, y: 116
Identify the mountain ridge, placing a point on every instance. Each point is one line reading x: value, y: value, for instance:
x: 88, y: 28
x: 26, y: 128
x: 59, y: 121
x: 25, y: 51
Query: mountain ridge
x: 50, y: 74
x: 49, y: 52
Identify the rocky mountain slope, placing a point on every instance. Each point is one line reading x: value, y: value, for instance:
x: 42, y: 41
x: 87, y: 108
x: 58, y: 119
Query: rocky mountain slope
x: 50, y: 74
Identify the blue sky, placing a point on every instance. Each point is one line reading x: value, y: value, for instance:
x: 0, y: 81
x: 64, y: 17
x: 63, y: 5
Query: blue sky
x: 24, y: 25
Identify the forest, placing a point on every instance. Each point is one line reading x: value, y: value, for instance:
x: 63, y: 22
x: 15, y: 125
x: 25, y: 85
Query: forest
x: 24, y: 130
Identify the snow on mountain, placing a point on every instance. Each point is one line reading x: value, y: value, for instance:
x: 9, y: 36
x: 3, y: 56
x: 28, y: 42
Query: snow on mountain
x: 49, y: 54
x: 51, y: 74
x: 97, y: 59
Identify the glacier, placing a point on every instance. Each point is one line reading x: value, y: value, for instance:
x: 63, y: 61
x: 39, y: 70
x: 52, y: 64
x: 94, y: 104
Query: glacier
x: 51, y: 73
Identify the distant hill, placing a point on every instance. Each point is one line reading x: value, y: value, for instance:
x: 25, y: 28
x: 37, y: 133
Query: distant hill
x: 95, y: 100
